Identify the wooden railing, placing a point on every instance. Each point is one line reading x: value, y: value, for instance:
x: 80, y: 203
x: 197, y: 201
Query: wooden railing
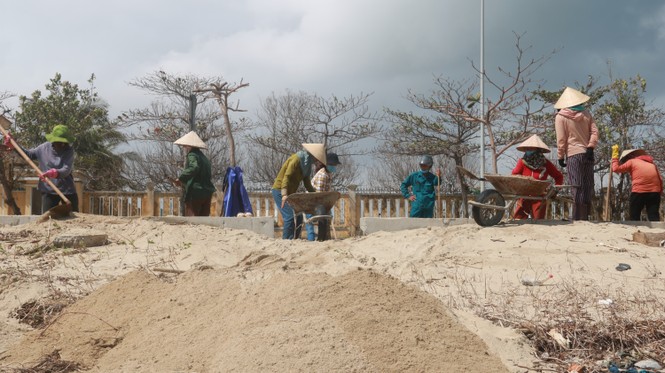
x: 353, y: 205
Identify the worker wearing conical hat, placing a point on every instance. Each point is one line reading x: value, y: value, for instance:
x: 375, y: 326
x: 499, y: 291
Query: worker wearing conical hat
x: 535, y: 165
x: 196, y: 177
x: 56, y: 162
x: 296, y: 169
x: 577, y: 136
x: 647, y: 184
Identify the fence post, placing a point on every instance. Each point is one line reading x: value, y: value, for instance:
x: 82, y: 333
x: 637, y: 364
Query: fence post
x: 149, y: 209
x: 354, y: 211
x: 219, y: 211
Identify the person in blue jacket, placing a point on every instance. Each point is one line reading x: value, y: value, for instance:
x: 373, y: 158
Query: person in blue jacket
x: 420, y: 188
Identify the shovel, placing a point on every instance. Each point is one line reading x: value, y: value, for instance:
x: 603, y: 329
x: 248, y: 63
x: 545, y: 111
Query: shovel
x: 59, y: 211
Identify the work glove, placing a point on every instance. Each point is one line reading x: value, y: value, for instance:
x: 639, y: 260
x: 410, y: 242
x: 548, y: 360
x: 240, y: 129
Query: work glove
x: 589, y: 154
x: 51, y: 174
x: 615, y: 151
x: 7, y: 141
x: 562, y: 163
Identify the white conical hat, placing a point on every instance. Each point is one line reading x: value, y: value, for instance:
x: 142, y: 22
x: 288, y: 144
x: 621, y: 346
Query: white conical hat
x: 191, y: 139
x: 316, y: 150
x: 571, y: 97
x: 634, y: 152
x: 533, y: 142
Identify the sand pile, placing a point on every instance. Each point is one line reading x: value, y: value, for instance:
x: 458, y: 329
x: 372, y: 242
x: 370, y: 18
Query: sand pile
x: 210, y: 320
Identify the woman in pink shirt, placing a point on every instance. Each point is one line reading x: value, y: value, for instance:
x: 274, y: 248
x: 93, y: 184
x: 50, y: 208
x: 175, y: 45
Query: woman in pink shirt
x: 646, y: 180
x: 576, y: 137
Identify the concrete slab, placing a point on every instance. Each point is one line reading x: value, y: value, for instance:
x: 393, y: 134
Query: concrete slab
x: 371, y: 225
x: 80, y: 238
x: 17, y: 219
x: 260, y: 225
x: 650, y: 224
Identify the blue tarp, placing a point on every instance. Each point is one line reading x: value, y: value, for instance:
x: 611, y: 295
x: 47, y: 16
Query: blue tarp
x: 236, y: 199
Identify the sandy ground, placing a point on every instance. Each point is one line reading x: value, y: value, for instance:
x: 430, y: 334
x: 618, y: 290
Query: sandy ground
x: 187, y: 298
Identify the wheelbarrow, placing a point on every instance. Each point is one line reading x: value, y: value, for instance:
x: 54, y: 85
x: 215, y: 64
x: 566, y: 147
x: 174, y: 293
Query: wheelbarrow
x: 490, y: 205
x: 317, y: 204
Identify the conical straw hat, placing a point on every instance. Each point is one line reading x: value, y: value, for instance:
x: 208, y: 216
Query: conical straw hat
x: 533, y: 142
x: 634, y: 152
x: 571, y: 97
x: 316, y: 150
x: 191, y: 139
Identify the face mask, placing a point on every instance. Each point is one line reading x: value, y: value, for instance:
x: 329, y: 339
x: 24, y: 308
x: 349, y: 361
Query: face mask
x: 530, y: 152
x: 331, y: 169
x: 424, y: 171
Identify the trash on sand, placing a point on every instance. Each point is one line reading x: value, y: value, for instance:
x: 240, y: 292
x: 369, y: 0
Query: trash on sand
x: 606, y: 302
x: 648, y: 364
x: 623, y: 267
x: 559, y: 339
x: 575, y: 368
x: 535, y: 282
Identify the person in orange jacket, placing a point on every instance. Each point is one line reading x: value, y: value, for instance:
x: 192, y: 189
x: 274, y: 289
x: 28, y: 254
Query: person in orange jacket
x: 535, y: 165
x: 645, y: 177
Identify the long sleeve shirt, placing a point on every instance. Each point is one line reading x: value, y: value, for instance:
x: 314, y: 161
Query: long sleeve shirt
x: 63, y: 162
x: 197, y: 176
x: 423, y: 185
x: 290, y: 175
x: 541, y: 173
x: 575, y: 132
x: 644, y: 175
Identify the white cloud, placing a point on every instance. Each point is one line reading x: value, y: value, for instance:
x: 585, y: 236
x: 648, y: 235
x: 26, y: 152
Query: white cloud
x: 329, y: 47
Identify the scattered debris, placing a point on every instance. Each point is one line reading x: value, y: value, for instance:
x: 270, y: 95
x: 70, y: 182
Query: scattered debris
x: 623, y: 267
x: 617, y: 249
x: 38, y: 313
x: 559, y: 339
x: 52, y: 363
x: 606, y: 302
x: 535, y: 282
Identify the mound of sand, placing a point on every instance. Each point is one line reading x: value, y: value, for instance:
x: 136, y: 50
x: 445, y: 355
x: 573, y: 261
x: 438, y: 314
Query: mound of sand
x: 160, y: 297
x: 212, y: 320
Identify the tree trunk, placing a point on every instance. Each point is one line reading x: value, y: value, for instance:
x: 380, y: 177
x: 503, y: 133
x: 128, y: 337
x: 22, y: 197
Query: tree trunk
x: 223, y: 106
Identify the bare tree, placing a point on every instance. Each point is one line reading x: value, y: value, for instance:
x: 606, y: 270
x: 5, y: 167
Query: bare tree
x: 285, y: 122
x: 434, y: 131
x: 154, y: 128
x: 510, y: 110
x: 221, y: 92
x: 395, y: 168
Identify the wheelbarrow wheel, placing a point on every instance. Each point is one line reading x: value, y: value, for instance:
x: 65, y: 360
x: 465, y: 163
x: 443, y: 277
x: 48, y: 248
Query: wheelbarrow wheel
x: 487, y: 217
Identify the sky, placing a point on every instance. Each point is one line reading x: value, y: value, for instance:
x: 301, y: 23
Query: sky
x: 327, y: 47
